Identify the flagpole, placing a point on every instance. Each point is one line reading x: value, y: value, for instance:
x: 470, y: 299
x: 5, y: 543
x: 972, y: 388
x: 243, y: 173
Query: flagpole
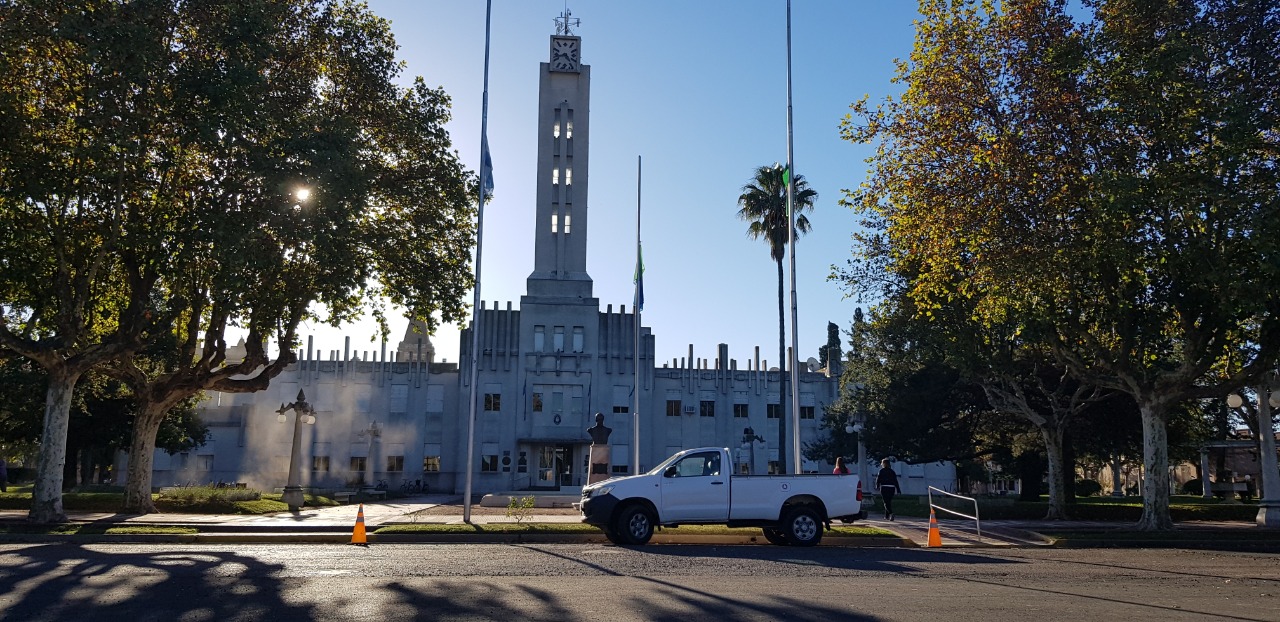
x: 791, y: 238
x: 475, y: 305
x: 635, y: 418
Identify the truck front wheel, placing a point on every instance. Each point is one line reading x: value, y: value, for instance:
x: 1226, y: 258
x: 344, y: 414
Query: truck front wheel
x: 802, y: 526
x: 634, y: 525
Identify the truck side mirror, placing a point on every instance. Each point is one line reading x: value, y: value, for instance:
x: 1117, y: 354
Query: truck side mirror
x: 670, y: 472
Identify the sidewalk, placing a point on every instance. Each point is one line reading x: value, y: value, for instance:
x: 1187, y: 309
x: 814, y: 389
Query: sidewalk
x: 335, y: 524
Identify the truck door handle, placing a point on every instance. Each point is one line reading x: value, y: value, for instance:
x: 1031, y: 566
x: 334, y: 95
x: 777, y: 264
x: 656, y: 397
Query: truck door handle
x: 717, y: 483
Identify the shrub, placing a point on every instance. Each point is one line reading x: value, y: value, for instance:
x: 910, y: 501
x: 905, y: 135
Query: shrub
x: 1087, y: 487
x: 519, y: 508
x: 1193, y: 487
x: 209, y: 495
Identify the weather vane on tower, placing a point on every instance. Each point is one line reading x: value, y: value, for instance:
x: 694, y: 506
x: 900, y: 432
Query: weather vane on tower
x: 566, y: 21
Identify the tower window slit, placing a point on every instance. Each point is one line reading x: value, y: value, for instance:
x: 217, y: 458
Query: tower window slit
x: 555, y: 222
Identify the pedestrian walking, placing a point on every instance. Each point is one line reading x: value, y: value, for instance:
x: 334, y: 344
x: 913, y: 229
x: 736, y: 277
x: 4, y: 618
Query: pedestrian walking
x: 840, y: 469
x: 887, y: 482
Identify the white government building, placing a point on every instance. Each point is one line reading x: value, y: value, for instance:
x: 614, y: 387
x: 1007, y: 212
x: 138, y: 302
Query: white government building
x: 546, y: 369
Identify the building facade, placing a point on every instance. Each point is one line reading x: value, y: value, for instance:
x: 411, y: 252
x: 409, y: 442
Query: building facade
x: 545, y: 369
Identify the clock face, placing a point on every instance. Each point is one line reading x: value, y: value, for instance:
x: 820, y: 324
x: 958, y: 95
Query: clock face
x: 564, y: 54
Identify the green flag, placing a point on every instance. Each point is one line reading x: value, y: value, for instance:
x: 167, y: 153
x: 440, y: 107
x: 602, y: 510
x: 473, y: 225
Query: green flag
x: 786, y: 176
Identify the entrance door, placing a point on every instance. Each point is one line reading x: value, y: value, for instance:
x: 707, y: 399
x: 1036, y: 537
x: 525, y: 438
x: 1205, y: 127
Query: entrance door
x: 555, y: 467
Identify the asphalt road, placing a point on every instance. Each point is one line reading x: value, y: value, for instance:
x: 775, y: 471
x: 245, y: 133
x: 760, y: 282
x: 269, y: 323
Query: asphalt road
x: 567, y: 582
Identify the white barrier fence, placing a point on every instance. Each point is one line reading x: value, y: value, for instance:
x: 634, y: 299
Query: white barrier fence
x: 977, y: 523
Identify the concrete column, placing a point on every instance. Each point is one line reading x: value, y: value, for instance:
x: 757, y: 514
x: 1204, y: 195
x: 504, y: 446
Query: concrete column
x: 1269, y: 487
x: 1117, y: 487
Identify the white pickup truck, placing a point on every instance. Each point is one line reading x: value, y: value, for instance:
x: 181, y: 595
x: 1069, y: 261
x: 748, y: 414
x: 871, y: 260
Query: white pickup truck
x: 695, y: 487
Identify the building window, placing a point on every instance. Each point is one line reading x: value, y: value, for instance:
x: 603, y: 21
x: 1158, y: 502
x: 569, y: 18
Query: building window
x: 773, y: 411
x: 568, y: 181
x: 620, y: 469
x: 555, y: 179
x: 621, y: 399
x: 522, y: 464
x: 569, y: 126
x: 431, y: 464
x: 806, y: 412
x: 204, y: 462
x: 320, y: 464
x: 492, y: 402
x: 539, y: 338
x: 707, y: 408
x: 673, y: 408
x: 489, y: 463
x: 740, y: 411
x: 568, y: 220
x: 774, y: 467
x: 557, y: 339
x: 395, y: 464
x: 358, y: 464
x: 537, y: 402
x: 577, y: 330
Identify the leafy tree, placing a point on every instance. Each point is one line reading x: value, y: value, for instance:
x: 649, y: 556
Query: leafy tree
x: 914, y: 405
x: 1108, y: 188
x: 169, y: 170
x: 763, y: 205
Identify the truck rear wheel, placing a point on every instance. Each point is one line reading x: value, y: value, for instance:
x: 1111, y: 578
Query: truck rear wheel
x: 802, y: 526
x: 775, y: 536
x: 634, y: 525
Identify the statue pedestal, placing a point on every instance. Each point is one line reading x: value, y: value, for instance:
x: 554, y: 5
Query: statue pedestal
x: 599, y: 460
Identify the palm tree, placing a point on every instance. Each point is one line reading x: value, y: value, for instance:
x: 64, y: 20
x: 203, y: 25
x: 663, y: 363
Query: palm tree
x: 763, y: 204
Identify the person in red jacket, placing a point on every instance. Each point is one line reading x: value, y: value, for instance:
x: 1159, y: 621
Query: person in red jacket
x: 840, y: 469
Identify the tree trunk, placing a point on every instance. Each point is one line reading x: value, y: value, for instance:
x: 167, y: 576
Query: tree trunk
x: 783, y: 397
x: 142, y: 449
x: 1155, y: 459
x: 46, y: 496
x: 1053, y: 441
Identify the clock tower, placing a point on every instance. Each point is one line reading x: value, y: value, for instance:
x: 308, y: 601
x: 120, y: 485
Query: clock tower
x: 560, y: 239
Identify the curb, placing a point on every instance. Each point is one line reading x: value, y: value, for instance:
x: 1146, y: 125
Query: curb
x: 408, y: 538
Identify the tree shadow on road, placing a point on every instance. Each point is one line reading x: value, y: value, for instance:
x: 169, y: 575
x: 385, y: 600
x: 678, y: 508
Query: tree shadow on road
x: 71, y: 582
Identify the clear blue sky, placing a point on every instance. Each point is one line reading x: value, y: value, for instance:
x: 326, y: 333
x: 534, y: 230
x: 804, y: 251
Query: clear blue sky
x: 699, y: 90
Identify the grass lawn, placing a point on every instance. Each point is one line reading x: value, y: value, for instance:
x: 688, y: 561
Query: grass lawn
x: 193, y: 500
x: 85, y: 529
x: 1118, y: 509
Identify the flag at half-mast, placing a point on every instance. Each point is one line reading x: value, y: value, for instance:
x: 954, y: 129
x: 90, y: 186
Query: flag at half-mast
x: 639, y: 279
x: 486, y: 167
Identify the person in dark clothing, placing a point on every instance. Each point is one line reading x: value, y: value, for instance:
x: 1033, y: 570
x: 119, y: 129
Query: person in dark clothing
x: 887, y: 482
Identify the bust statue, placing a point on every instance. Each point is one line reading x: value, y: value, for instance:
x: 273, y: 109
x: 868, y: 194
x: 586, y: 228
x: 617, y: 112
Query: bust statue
x: 598, y: 432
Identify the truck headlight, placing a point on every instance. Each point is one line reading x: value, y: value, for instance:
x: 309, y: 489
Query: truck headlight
x: 601, y: 491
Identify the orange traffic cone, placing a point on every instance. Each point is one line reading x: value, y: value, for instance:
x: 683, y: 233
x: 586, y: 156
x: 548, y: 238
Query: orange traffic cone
x: 935, y: 536
x: 357, y: 534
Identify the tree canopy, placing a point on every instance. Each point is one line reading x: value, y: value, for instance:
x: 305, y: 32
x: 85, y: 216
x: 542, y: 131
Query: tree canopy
x: 1106, y: 186
x: 170, y: 170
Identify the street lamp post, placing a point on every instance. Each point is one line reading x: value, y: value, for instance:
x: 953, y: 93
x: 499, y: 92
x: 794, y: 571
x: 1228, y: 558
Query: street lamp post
x: 856, y: 428
x: 302, y: 413
x: 1269, y: 501
x: 750, y: 438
